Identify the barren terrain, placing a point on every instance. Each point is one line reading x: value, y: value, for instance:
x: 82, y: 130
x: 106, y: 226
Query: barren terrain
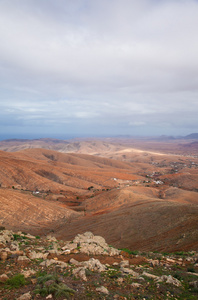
x: 138, y: 194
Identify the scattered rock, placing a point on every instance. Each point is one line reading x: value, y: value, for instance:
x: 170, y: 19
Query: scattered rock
x: 194, y: 284
x: 3, y: 256
x: 95, y: 245
x: 28, y: 273
x: 169, y: 279
x: 23, y: 258
x: 126, y: 271
x: 136, y: 285
x: 94, y: 265
x: 80, y: 272
x: 124, y: 263
x: 74, y: 262
x: 35, y: 255
x: 103, y: 290
x: 3, y: 278
x: 26, y: 296
x: 150, y: 275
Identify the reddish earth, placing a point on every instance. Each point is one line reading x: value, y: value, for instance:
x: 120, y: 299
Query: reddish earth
x: 133, y: 193
x: 104, y: 259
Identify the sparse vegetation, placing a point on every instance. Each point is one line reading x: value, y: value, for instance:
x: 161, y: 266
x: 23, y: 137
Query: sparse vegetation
x: 125, y: 282
x: 15, y: 282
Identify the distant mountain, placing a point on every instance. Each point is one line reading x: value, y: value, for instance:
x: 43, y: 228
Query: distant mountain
x: 192, y: 136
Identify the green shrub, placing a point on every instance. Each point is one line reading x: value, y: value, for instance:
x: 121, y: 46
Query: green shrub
x: 134, y: 252
x: 16, y: 281
x: 16, y: 236
x: 51, y: 284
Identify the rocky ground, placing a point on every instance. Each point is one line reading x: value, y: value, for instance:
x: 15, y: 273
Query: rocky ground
x: 32, y: 267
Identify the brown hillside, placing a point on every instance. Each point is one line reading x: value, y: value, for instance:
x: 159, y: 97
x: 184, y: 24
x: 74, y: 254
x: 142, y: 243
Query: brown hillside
x: 23, y: 211
x: 140, y: 221
x: 44, y: 170
x: 134, y: 198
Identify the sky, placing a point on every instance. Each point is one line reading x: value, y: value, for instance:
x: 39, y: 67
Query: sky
x: 98, y: 68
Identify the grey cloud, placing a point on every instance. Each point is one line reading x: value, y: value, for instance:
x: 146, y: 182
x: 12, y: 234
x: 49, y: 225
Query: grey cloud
x: 92, y: 62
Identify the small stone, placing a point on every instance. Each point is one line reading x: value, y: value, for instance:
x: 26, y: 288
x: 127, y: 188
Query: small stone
x: 169, y: 279
x: 28, y: 273
x: 103, y: 290
x: 124, y: 263
x: 194, y: 284
x: 150, y: 275
x: 3, y: 278
x: 129, y: 271
x: 136, y: 285
x: 4, y: 256
x: 74, y: 262
x: 80, y: 272
x: 23, y: 258
x: 120, y: 280
x: 33, y: 280
x: 26, y: 296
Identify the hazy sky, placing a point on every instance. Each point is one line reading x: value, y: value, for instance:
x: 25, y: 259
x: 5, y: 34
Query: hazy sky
x: 98, y: 67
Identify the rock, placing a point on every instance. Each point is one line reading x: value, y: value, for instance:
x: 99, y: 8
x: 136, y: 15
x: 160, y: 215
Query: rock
x: 94, y: 245
x: 28, y: 273
x: 150, y: 275
x: 170, y: 260
x: 120, y: 280
x: 136, y: 285
x: 94, y: 265
x: 3, y: 278
x: 14, y: 246
x: 74, y: 262
x: 154, y: 263
x: 3, y: 256
x: 67, y: 251
x: 80, y: 272
x: 169, y: 279
x: 124, y: 263
x: 29, y: 236
x: 26, y: 296
x: 34, y: 255
x: 103, y: 290
x: 194, y: 284
x: 62, y: 264
x: 69, y: 246
x: 192, y: 273
x: 6, y: 236
x: 17, y: 253
x: 126, y: 271
x: 23, y: 258
x: 51, y: 238
x: 113, y: 251
x: 49, y: 262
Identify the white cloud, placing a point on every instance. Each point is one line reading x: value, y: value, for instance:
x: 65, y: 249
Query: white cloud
x: 99, y: 61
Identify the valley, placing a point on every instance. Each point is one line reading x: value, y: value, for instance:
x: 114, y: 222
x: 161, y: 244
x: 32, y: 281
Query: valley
x: 137, y: 194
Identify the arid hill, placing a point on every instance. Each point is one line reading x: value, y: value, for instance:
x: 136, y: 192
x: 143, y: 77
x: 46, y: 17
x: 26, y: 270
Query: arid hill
x: 136, y: 198
x: 106, y: 146
x: 45, y: 170
x: 138, y: 218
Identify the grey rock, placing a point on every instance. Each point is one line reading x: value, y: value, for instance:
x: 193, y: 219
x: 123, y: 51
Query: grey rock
x: 103, y: 290
x: 3, y: 278
x: 26, y: 296
x: 169, y: 279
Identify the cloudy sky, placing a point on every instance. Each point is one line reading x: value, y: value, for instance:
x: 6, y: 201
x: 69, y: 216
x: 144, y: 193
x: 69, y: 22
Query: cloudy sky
x: 98, y: 68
